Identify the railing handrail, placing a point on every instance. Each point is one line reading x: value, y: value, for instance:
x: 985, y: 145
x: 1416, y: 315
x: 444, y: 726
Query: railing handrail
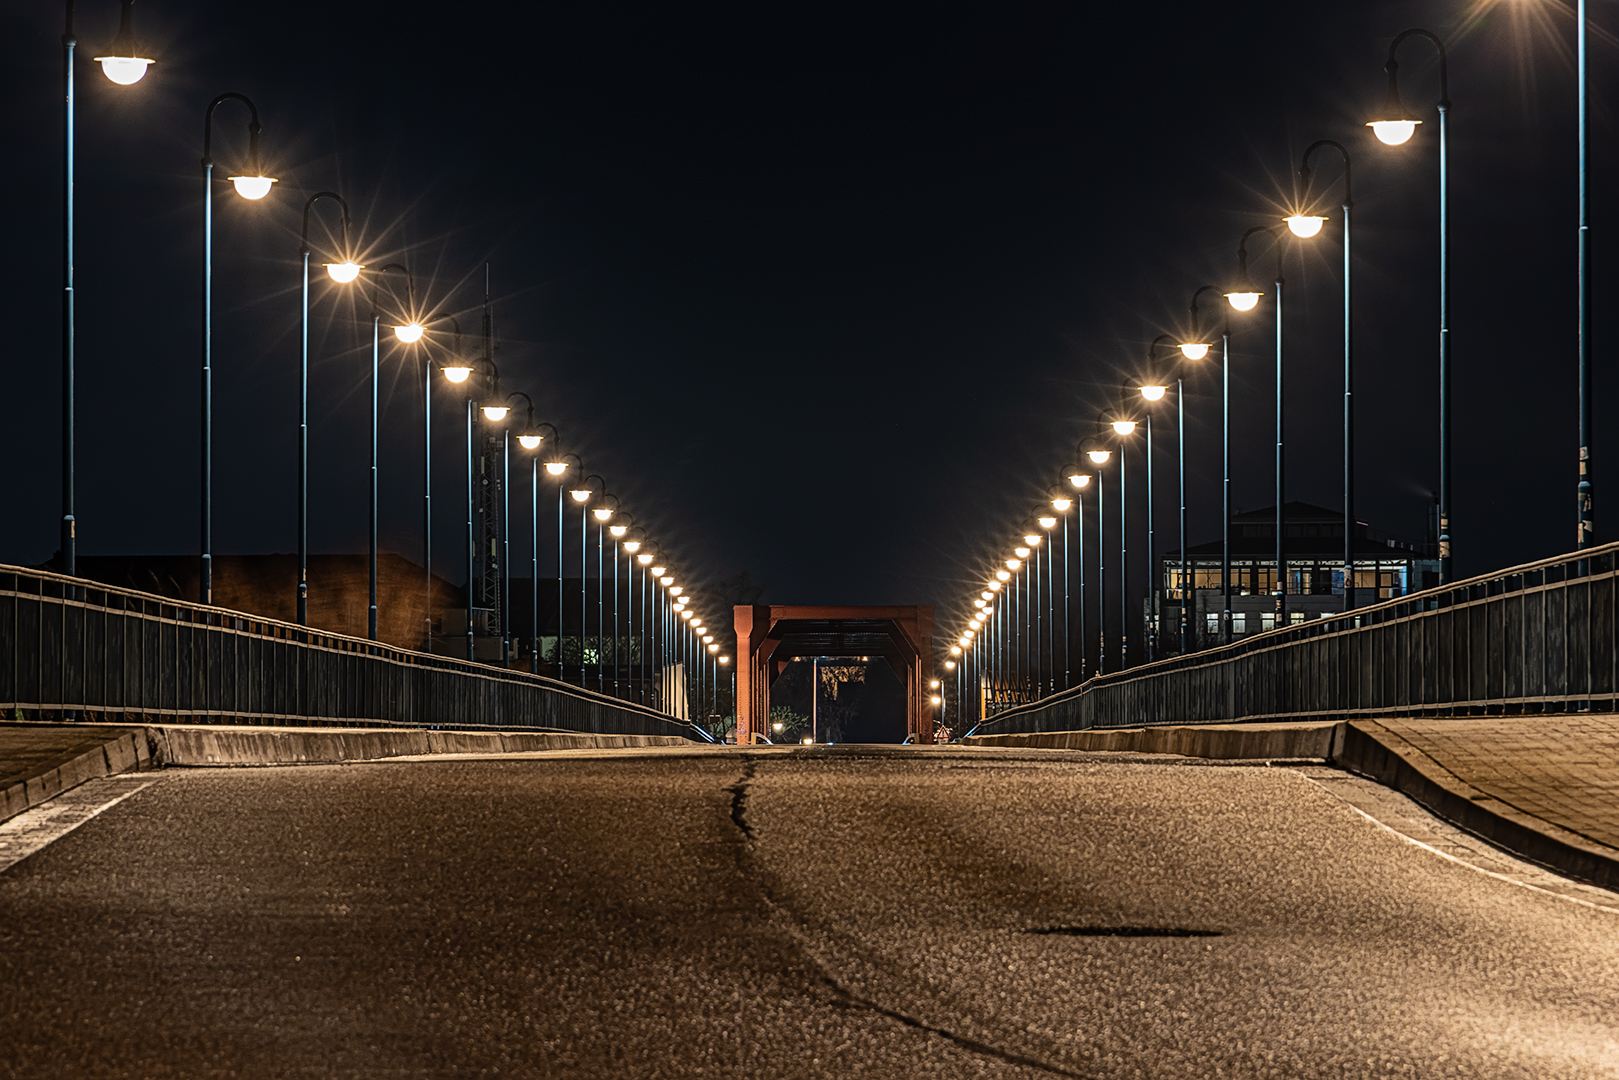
x: 1269, y: 640
x: 292, y: 632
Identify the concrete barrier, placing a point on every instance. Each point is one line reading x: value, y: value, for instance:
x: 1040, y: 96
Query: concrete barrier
x: 192, y: 745
x: 119, y: 752
x: 1219, y: 741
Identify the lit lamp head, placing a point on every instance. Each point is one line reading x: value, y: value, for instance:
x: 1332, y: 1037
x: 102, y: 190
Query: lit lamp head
x: 602, y: 513
x: 580, y: 495
x: 253, y: 187
x: 125, y: 62
x: 712, y: 648
x: 1032, y: 539
x: 457, y: 373
x: 955, y: 650
x: 1194, y: 350
x: 1048, y: 522
x: 725, y: 659
x: 980, y: 602
x: 685, y: 614
x: 530, y: 440
x: 1060, y: 504
x: 1393, y: 125
x: 1123, y: 427
x: 965, y: 641
x: 1003, y: 576
x: 496, y: 413
x: 411, y: 333
x: 1098, y: 457
x: 618, y: 530
x: 556, y: 468
x: 1082, y: 480
x: 645, y: 558
x: 1153, y: 393
x: 663, y: 579
x: 707, y: 638
x: 1305, y: 226
x: 1013, y: 564
x: 1243, y: 299
x: 677, y: 589
x: 986, y: 596
x: 934, y: 699
x: 632, y: 546
x: 344, y: 272
x: 950, y: 665
x: 659, y: 571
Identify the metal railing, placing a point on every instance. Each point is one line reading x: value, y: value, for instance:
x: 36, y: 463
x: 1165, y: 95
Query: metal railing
x: 1533, y: 638
x: 71, y: 647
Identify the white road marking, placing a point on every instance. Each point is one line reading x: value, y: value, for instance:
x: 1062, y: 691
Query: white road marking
x: 1383, y: 806
x: 53, y: 819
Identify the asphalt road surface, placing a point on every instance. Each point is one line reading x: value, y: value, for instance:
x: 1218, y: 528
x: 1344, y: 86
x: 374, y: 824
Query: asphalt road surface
x: 783, y: 914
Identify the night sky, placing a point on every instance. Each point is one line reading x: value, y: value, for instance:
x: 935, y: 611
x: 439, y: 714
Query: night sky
x: 826, y: 293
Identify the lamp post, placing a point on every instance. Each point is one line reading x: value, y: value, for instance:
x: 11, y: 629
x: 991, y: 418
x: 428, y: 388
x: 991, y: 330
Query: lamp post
x: 1306, y: 226
x: 1394, y: 126
x: 1079, y: 480
x: 1244, y: 296
x: 602, y: 514
x: 557, y: 467
x: 124, y: 64
x: 1123, y: 428
x: 1587, y: 523
x: 251, y: 184
x: 1099, y: 455
x: 1047, y: 522
x: 588, y: 488
x: 531, y: 438
x: 343, y: 273
x: 462, y: 371
x: 618, y: 530
x: 409, y: 332
x: 1062, y: 504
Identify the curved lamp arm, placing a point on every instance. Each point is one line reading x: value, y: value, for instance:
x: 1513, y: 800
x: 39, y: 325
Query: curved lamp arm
x: 253, y: 168
x: 1304, y: 167
x: 1393, y: 108
x: 303, y: 246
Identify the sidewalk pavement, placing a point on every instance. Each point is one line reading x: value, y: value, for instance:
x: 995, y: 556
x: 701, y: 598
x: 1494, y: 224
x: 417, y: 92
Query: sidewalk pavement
x: 1543, y: 787
x: 38, y: 761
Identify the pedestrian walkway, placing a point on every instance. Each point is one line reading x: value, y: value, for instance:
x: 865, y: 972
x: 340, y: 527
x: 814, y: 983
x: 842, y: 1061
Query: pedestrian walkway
x: 1561, y: 770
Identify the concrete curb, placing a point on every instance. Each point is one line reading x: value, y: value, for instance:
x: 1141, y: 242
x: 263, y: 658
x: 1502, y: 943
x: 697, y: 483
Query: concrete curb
x: 194, y: 746
x: 1373, y: 751
x: 128, y: 750
x: 1217, y: 741
x: 1369, y: 749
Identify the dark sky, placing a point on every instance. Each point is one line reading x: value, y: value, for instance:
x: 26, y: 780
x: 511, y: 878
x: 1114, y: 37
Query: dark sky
x: 826, y: 293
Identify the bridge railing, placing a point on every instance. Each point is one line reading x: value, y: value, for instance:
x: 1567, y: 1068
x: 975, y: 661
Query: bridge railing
x: 71, y: 646
x: 1533, y: 638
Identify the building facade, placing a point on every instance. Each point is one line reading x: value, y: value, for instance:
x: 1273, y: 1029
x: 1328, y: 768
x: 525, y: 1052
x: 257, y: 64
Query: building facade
x: 1386, y: 566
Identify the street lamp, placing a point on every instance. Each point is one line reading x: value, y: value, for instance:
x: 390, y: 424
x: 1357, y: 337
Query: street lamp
x: 1394, y: 126
x: 124, y: 64
x: 1349, y: 357
x: 589, y: 488
x: 251, y: 185
x: 303, y: 391
x: 376, y: 350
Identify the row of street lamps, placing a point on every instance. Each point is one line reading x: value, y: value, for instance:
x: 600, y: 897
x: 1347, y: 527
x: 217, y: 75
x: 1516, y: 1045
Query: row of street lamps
x: 669, y: 625
x: 999, y: 650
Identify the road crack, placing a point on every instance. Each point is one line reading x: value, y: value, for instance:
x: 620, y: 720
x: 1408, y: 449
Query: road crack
x: 739, y: 799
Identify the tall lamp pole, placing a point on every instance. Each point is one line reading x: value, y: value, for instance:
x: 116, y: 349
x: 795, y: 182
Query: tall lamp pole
x: 252, y: 184
x: 343, y: 273
x: 408, y: 332
x: 125, y: 64
x: 1244, y: 296
x: 1080, y: 480
x: 1395, y: 126
x: 1307, y: 226
x: 1098, y: 453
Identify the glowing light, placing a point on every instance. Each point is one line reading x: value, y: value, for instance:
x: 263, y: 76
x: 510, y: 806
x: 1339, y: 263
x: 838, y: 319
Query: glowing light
x: 684, y: 614
x: 1243, y: 300
x: 1394, y: 132
x: 1100, y: 457
x: 1001, y: 576
x: 950, y: 665
x: 1032, y: 539
x: 1305, y: 226
x: 665, y: 579
x: 706, y: 637
x: 659, y: 571
x: 725, y: 659
x: 252, y: 187
x: 556, y: 468
x: 777, y: 727
x: 644, y: 559
x: 1193, y: 350
x: 458, y: 373
x: 966, y: 641
x: 343, y: 272
x: 979, y: 603
x: 955, y: 650
x: 618, y: 530
x: 632, y: 546
x: 580, y: 494
x: 496, y: 413
x: 986, y: 595
x: 808, y: 740
x: 1047, y: 522
x: 410, y: 332
x: 1083, y: 480
x: 713, y: 648
x: 124, y: 70
x: 677, y: 590
x: 530, y: 442
x: 934, y: 698
x: 1124, y: 427
x: 1060, y: 504
x: 1153, y: 393
x: 967, y: 634
x: 933, y: 684
x: 603, y: 512
x: 1013, y: 564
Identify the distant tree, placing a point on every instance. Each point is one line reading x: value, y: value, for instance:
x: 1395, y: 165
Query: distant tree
x: 794, y: 725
